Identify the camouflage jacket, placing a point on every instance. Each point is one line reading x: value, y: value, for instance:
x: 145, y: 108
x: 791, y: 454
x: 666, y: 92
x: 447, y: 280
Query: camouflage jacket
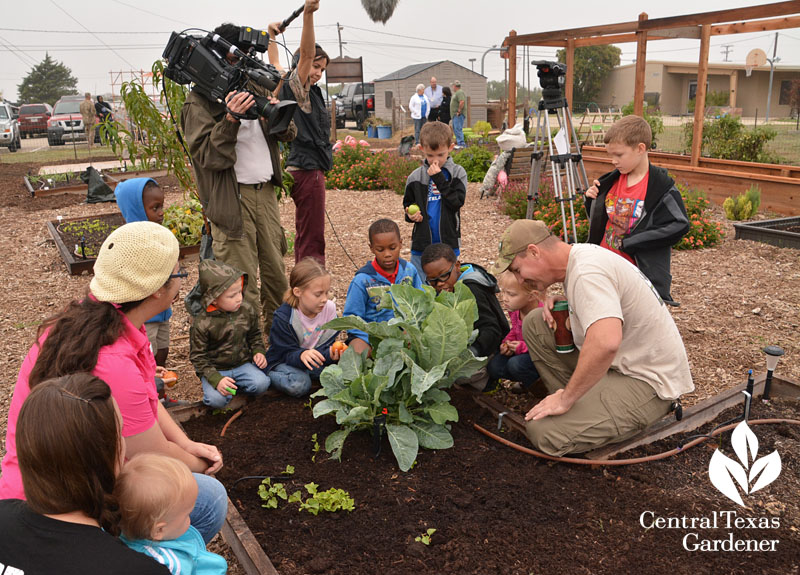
x: 222, y: 340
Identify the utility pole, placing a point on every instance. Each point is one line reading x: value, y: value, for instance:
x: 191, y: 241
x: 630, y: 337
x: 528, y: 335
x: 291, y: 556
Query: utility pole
x: 472, y: 63
x: 726, y: 49
x: 772, y: 62
x: 339, y: 30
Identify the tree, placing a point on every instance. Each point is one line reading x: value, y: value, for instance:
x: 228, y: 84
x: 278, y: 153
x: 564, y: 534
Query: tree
x: 496, y: 90
x: 47, y: 82
x: 593, y: 64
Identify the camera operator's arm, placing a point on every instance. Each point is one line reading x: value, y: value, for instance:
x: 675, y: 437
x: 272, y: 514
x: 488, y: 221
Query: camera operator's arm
x: 307, y: 41
x: 212, y: 143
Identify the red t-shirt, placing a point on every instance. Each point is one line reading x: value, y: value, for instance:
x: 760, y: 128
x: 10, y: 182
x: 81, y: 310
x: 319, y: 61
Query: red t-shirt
x: 391, y: 277
x: 624, y: 206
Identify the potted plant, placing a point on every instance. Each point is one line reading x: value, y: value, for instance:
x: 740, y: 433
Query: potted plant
x: 384, y: 129
x: 372, y: 126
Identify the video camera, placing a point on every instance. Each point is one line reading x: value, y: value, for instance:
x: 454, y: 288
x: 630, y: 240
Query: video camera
x: 551, y: 77
x: 202, y: 60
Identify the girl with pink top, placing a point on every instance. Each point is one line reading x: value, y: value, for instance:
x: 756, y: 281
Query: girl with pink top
x: 136, y: 277
x: 513, y: 362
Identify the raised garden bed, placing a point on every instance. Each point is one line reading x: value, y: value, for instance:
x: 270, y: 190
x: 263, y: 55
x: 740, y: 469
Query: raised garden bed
x: 71, y: 183
x: 88, y: 234
x: 495, y: 510
x: 781, y: 232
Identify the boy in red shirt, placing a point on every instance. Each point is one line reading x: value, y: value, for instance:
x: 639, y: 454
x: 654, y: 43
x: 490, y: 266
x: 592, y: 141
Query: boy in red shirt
x: 639, y: 213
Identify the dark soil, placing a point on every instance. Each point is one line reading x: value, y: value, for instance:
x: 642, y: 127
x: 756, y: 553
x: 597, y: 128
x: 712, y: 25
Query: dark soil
x: 88, y: 234
x: 497, y: 510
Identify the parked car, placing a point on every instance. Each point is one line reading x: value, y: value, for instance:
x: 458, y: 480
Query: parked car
x: 340, y: 115
x: 66, y: 124
x: 9, y: 127
x: 33, y: 119
x: 357, y: 106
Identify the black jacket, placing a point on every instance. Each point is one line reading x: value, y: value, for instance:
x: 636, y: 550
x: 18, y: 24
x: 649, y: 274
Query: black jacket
x: 491, y: 324
x: 452, y: 185
x: 662, y: 225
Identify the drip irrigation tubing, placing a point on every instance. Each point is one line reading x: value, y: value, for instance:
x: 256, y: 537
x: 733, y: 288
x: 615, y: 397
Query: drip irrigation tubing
x: 633, y: 461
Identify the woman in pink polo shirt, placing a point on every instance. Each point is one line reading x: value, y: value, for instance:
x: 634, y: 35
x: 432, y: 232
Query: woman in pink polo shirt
x: 136, y: 277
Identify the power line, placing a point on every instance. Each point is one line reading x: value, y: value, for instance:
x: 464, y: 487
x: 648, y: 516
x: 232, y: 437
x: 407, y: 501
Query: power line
x: 18, y: 53
x: 114, y: 32
x: 415, y: 37
x: 151, y: 13
x: 95, y: 35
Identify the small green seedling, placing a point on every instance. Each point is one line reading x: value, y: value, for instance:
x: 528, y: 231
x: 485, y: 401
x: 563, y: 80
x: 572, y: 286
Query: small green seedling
x: 270, y: 493
x: 425, y: 538
x: 314, y: 449
x: 288, y: 471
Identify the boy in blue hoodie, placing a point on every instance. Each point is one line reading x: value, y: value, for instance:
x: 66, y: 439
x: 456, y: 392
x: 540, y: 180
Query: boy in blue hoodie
x: 141, y: 200
x: 375, y: 278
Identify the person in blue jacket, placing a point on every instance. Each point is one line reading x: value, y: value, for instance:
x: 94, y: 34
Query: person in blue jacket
x: 142, y: 200
x: 376, y: 277
x: 299, y: 344
x: 156, y: 493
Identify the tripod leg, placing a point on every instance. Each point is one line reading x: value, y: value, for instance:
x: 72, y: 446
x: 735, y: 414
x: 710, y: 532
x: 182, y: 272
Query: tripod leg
x: 536, y: 169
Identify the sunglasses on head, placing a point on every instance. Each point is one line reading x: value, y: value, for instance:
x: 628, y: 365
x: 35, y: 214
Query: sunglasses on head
x: 442, y: 278
x: 182, y: 273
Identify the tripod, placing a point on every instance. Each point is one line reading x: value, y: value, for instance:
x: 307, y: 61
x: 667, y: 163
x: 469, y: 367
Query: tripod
x: 565, y: 164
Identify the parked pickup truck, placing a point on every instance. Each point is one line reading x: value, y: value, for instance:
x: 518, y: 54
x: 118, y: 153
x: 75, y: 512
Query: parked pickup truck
x: 357, y: 107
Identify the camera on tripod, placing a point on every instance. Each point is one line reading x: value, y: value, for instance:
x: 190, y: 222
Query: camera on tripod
x: 551, y: 78
x: 202, y: 60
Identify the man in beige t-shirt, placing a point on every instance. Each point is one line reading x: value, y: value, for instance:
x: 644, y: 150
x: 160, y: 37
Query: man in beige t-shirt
x: 630, y: 363
x: 88, y: 114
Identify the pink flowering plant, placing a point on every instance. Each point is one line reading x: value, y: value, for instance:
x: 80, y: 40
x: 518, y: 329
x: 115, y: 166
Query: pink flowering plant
x: 357, y: 168
x: 703, y: 232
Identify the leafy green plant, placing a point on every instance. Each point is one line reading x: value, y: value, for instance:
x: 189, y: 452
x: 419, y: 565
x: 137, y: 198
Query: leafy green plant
x: 270, y: 493
x: 315, y: 446
x: 288, y: 471
x: 425, y: 538
x: 290, y: 237
x: 185, y: 221
x: 150, y: 140
x: 729, y: 139
x: 417, y: 355
x: 713, y: 98
x: 357, y: 168
x: 476, y: 160
x: 332, y: 500
x: 482, y: 128
x: 744, y: 206
x: 703, y: 232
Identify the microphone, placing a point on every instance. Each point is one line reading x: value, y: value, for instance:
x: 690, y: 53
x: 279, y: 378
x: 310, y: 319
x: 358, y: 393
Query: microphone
x: 291, y: 18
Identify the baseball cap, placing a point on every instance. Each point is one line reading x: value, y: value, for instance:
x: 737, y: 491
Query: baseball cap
x: 517, y: 237
x: 457, y: 83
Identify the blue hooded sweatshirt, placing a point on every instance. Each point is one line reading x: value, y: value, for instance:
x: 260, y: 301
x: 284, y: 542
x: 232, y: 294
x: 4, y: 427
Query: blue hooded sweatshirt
x: 366, y: 290
x: 129, y: 200
x: 185, y: 555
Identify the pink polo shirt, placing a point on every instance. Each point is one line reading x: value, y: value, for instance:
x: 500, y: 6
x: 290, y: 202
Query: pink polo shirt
x: 127, y: 366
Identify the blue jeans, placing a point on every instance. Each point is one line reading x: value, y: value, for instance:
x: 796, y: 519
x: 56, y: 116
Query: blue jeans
x: 249, y: 379
x: 210, y: 508
x: 416, y: 261
x: 292, y: 380
x: 515, y: 368
x: 417, y: 127
x: 458, y: 129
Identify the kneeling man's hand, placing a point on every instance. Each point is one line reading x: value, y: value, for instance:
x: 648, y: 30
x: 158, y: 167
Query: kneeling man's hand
x: 553, y: 404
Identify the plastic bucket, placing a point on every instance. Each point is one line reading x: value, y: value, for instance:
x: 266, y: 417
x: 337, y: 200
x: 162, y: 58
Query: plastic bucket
x: 384, y: 132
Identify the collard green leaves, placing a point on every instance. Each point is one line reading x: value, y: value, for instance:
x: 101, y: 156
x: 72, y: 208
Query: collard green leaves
x: 416, y: 356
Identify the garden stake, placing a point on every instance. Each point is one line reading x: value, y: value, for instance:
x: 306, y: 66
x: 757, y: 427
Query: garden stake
x: 748, y: 395
x: 83, y: 246
x: 378, y: 427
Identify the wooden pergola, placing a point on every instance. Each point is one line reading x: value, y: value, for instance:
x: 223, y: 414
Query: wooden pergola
x: 767, y: 17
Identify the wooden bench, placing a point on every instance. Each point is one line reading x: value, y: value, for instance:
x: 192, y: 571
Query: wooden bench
x: 518, y: 165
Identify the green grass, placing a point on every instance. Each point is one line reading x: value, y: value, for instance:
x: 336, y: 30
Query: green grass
x: 57, y: 154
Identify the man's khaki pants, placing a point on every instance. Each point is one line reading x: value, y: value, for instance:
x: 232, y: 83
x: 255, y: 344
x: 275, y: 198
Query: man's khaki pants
x: 260, y: 253
x: 614, y: 409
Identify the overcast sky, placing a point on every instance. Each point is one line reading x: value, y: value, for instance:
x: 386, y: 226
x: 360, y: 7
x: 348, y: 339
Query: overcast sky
x: 95, y: 38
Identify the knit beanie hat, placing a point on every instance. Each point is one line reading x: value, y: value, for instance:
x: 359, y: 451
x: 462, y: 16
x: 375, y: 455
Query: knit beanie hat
x: 134, y: 262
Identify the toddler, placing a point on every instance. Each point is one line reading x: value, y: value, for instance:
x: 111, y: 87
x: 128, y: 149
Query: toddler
x: 513, y: 362
x: 156, y: 494
x: 225, y: 339
x: 299, y: 347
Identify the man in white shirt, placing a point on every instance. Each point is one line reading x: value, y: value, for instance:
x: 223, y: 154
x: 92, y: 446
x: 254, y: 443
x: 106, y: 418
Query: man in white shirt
x: 434, y: 94
x: 629, y: 365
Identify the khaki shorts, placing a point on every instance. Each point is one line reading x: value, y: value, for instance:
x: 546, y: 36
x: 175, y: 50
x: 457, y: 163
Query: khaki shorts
x: 158, y: 334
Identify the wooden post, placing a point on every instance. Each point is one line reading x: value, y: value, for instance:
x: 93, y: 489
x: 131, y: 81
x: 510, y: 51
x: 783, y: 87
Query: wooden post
x: 569, y: 79
x: 512, y: 82
x: 700, y: 95
x: 469, y: 111
x: 333, y: 121
x: 641, y: 67
x: 734, y: 81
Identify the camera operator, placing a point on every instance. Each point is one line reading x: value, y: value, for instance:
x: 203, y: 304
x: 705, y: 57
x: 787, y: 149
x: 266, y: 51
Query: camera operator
x: 237, y: 164
x: 311, y: 154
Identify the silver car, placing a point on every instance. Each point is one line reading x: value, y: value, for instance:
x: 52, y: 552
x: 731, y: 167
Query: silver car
x: 9, y: 127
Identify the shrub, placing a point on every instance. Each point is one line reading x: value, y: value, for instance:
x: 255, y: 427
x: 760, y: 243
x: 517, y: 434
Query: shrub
x: 703, y: 231
x: 744, y: 206
x: 357, y: 168
x: 729, y: 139
x: 713, y: 98
x: 482, y: 128
x: 395, y: 170
x: 476, y: 160
x: 416, y: 356
x: 185, y: 221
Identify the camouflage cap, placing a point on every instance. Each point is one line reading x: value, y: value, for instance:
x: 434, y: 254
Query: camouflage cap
x: 517, y: 237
